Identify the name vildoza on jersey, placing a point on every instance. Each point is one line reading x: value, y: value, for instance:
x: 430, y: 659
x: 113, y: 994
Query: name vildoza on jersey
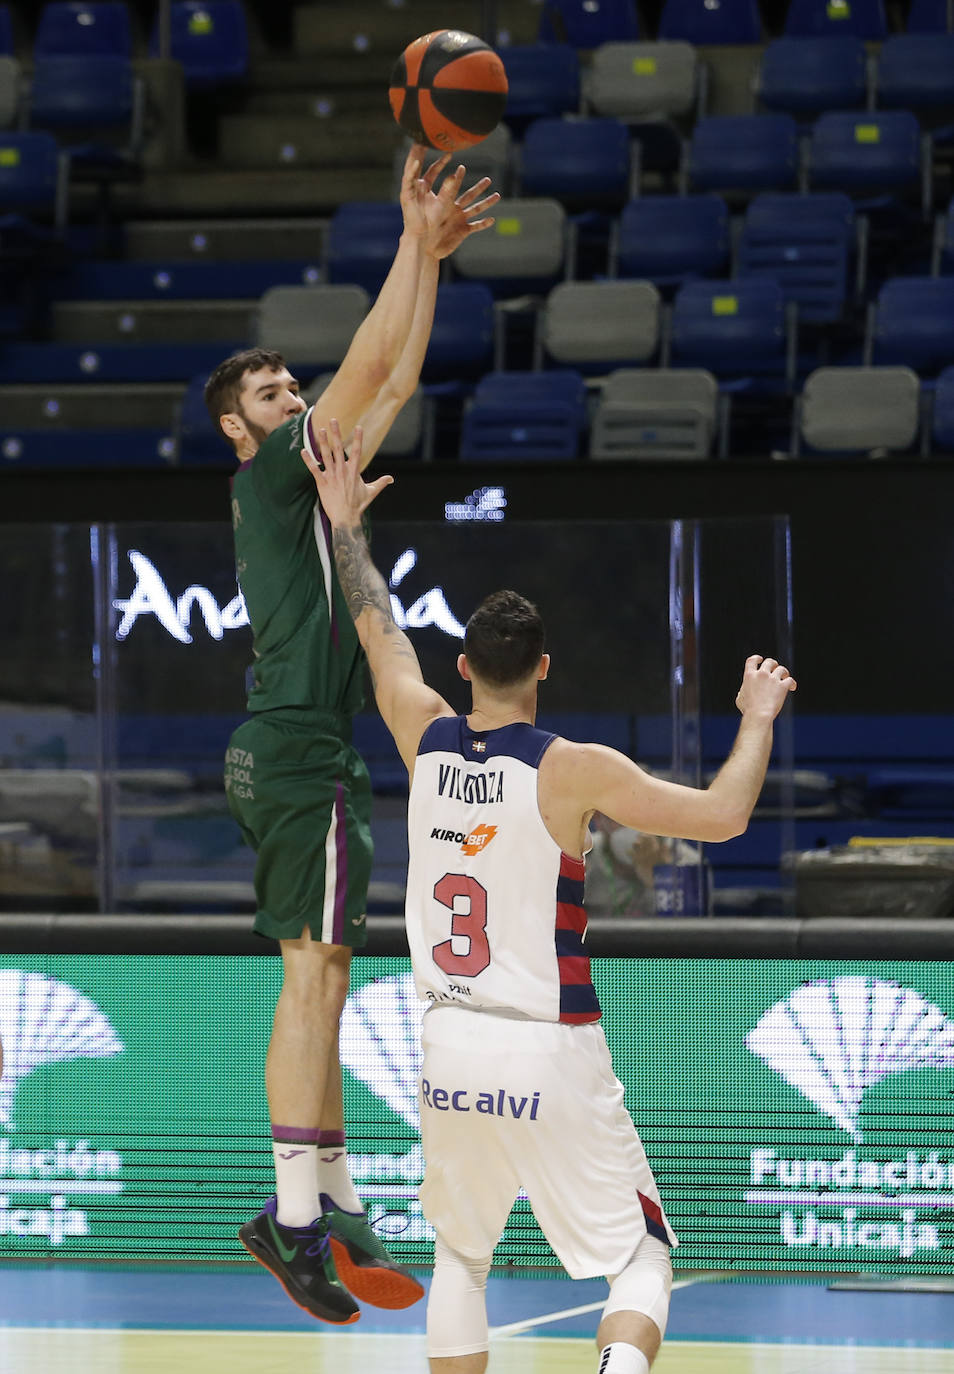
x: 477, y: 788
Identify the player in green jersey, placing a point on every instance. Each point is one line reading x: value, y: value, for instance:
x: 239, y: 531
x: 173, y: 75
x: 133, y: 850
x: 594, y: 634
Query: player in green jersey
x: 295, y: 784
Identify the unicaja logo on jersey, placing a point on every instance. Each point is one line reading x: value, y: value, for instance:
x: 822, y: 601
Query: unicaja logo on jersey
x: 832, y: 1040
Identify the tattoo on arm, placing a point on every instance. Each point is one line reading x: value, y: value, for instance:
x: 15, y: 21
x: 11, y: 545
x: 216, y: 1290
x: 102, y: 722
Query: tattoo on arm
x: 363, y: 586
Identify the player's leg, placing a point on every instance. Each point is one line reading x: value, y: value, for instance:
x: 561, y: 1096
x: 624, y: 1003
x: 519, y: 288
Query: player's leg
x: 634, y: 1318
x: 457, y: 1313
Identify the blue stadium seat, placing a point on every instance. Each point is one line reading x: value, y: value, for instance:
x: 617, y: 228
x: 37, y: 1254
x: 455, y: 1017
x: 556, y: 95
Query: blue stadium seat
x: 743, y: 153
x: 736, y: 329
x: 525, y: 415
x: 913, y: 323
x: 930, y: 16
x: 6, y: 32
x: 705, y: 22
x: 33, y: 176
x: 74, y: 28
x: 806, y: 243
x: 463, y: 342
x: 209, y: 38
x: 362, y: 240
x: 668, y: 239
x: 543, y: 79
x: 92, y: 102
x: 942, y: 428
x: 808, y: 75
x: 866, y: 153
x: 916, y: 72
x: 583, y: 163
x: 812, y: 18
x: 588, y: 23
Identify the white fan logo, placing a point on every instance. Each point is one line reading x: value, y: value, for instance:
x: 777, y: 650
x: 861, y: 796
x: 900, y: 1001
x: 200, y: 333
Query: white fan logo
x: 44, y: 1021
x: 833, y: 1039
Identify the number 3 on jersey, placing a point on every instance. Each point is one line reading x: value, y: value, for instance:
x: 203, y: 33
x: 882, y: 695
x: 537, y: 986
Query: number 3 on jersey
x: 469, y: 924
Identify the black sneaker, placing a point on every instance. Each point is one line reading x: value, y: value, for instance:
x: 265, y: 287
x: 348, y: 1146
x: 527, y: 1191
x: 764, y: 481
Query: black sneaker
x: 300, y: 1258
x: 364, y: 1266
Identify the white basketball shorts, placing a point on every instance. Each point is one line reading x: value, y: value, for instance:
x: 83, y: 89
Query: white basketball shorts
x: 507, y: 1104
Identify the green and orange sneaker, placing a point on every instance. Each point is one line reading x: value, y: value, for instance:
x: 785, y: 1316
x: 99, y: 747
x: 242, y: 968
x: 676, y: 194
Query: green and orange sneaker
x: 364, y: 1266
x: 300, y: 1258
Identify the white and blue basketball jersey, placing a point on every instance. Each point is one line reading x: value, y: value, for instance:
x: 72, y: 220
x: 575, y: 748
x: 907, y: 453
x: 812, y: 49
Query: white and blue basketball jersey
x: 495, y: 917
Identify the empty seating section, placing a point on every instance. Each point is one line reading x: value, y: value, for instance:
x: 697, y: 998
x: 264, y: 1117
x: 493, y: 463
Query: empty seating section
x: 678, y: 232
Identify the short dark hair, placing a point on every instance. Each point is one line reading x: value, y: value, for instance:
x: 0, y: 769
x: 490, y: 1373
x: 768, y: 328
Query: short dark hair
x: 503, y: 640
x: 224, y: 388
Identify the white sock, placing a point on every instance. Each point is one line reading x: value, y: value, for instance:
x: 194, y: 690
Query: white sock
x: 334, y: 1177
x: 296, y: 1182
x: 620, y: 1358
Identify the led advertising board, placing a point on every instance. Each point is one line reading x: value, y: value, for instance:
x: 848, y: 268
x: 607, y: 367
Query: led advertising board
x: 797, y: 1113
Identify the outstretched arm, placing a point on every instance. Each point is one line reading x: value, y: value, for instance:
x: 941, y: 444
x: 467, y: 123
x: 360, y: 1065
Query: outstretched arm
x: 406, y: 703
x: 434, y: 225
x: 601, y: 779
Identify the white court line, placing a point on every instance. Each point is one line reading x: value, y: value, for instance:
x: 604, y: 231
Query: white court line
x: 514, y: 1328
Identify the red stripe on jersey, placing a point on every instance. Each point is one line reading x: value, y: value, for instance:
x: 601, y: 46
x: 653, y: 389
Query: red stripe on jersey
x: 578, y: 1001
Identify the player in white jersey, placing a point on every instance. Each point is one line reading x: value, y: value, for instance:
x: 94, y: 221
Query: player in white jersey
x: 517, y: 1085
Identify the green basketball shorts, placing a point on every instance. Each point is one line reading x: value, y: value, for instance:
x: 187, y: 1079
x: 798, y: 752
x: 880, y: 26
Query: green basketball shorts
x: 302, y: 798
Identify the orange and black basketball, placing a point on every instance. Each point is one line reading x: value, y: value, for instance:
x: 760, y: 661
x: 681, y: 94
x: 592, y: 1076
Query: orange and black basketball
x: 448, y: 90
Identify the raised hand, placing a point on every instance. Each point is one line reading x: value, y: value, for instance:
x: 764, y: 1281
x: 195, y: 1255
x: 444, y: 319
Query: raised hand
x: 343, y: 492
x: 445, y: 218
x: 765, y: 685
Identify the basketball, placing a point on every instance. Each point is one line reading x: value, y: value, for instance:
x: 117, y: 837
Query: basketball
x: 448, y: 90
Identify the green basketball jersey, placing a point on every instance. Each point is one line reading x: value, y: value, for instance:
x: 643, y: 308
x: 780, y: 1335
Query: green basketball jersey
x: 306, y: 649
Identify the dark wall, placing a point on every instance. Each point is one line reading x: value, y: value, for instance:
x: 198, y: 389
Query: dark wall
x: 872, y: 551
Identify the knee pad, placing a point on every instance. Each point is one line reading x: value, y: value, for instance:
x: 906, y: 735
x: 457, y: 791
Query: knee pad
x: 644, y: 1285
x: 457, y: 1304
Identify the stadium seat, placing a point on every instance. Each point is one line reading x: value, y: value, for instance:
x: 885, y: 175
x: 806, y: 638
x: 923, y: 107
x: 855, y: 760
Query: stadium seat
x: 10, y: 79
x: 33, y: 176
x: 845, y: 410
x: 542, y: 79
x: 916, y: 72
x: 670, y: 238
x: 312, y: 326
x: 806, y: 76
x: 742, y: 153
x: 642, y: 80
x: 209, y: 38
x: 29, y: 363
x: 465, y: 342
x: 529, y: 248
x: 588, y: 23
x: 711, y: 21
x: 141, y: 448
x: 813, y: 18
x: 525, y: 415
x: 869, y: 153
x: 74, y: 28
x: 942, y: 420
x: 598, y: 326
x: 930, y: 16
x: 655, y: 413
x: 912, y: 324
x: 583, y: 163
x: 176, y: 279
x: 93, y: 104
x: 736, y: 329
x: 6, y: 31
x: 362, y: 240
x: 806, y: 242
